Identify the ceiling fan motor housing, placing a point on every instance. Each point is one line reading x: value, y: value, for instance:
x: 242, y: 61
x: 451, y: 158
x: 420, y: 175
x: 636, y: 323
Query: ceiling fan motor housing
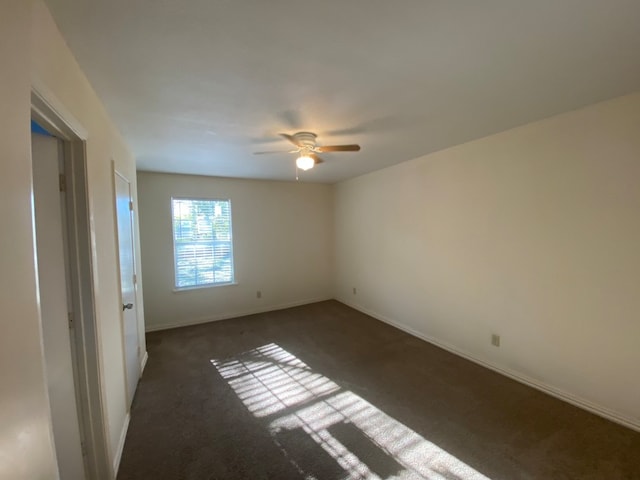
x: 305, y: 139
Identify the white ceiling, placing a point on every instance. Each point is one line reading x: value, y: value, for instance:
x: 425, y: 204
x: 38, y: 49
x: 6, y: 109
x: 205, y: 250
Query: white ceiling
x: 196, y: 86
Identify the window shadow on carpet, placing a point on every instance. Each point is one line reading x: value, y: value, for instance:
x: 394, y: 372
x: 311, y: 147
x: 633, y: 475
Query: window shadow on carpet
x: 328, y: 432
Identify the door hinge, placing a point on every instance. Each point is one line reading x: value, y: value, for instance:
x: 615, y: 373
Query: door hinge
x: 83, y: 448
x: 70, y: 318
x: 135, y: 279
x: 62, y: 183
x: 130, y: 206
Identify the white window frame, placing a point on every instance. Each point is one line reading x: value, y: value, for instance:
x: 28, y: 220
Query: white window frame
x: 178, y: 289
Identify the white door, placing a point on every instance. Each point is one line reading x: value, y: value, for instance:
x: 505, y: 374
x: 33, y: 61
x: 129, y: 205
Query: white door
x: 54, y: 310
x: 127, y: 284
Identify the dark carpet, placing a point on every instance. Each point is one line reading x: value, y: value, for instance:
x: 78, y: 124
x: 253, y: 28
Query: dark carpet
x: 325, y: 392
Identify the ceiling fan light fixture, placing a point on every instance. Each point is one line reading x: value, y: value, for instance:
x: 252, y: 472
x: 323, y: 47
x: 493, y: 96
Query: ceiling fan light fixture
x: 307, y: 150
x: 305, y: 162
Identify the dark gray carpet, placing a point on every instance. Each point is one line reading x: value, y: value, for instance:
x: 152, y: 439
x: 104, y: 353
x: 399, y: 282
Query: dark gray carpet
x: 323, y: 391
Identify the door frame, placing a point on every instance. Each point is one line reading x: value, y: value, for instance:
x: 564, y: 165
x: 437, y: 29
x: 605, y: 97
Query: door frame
x: 53, y: 117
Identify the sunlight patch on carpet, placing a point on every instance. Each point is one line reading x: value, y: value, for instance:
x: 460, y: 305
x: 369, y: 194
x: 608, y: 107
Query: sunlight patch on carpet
x: 327, y: 431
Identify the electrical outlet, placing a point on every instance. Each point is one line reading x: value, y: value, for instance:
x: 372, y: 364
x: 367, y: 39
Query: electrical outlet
x: 258, y: 294
x: 495, y: 340
x: 354, y: 290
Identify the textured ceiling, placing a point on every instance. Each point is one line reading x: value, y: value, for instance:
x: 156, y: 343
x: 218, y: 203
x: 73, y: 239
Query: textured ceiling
x: 196, y: 86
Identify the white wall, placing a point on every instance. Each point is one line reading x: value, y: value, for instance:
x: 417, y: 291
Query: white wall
x: 533, y: 234
x: 32, y: 51
x: 26, y: 450
x: 282, y: 238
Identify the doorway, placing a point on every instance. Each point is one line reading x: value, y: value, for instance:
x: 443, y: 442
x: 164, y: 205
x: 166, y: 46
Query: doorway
x: 54, y: 290
x: 65, y: 276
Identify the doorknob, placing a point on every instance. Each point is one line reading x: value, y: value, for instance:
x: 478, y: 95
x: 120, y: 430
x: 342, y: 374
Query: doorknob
x: 127, y: 306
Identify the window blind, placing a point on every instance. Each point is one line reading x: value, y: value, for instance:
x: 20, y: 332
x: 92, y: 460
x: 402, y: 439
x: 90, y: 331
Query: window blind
x: 202, y: 240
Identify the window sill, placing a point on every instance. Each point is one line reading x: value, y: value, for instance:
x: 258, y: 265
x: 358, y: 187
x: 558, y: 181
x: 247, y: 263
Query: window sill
x: 202, y: 287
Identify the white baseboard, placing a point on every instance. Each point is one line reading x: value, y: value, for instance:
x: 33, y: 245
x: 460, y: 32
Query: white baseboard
x: 123, y: 436
x: 125, y: 427
x: 226, y: 316
x: 143, y: 363
x: 517, y: 376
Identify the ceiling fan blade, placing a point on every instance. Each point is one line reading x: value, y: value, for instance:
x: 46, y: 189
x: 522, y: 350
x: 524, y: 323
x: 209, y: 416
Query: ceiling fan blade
x: 316, y: 158
x: 271, y: 152
x: 291, y: 118
x: 290, y: 138
x: 339, y: 148
x: 375, y: 125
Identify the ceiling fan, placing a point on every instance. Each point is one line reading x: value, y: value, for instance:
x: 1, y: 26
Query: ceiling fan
x: 307, y: 149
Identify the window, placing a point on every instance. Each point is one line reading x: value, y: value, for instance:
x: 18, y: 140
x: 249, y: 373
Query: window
x: 202, y: 242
